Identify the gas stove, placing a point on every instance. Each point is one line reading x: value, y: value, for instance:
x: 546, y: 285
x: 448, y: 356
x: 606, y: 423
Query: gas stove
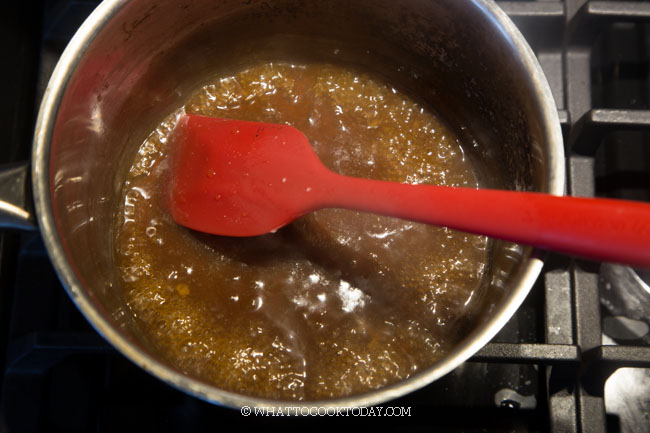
x: 574, y: 358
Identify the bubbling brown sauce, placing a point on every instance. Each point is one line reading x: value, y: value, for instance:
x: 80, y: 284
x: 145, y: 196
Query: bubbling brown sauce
x: 337, y: 303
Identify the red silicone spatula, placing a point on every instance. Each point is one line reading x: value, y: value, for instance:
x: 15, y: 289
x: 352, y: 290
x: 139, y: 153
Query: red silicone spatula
x: 238, y: 178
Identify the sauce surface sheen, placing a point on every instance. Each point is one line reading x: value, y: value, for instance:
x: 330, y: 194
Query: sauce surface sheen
x: 338, y: 302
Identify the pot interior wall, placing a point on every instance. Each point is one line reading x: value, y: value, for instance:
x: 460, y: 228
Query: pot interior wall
x: 151, y: 55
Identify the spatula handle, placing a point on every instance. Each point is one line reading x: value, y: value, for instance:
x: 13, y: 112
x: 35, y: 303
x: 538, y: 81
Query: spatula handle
x: 600, y: 229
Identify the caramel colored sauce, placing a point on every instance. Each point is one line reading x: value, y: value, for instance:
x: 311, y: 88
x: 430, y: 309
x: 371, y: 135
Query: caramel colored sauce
x: 338, y: 302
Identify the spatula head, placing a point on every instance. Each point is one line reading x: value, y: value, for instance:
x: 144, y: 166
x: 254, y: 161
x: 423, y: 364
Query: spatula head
x: 239, y: 178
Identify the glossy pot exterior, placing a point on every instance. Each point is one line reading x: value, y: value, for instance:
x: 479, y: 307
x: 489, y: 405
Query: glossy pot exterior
x: 133, y: 62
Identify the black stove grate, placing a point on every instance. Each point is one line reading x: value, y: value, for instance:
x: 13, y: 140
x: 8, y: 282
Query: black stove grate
x: 545, y: 371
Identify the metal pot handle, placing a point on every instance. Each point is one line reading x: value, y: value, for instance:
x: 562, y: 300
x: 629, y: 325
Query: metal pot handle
x: 16, y: 208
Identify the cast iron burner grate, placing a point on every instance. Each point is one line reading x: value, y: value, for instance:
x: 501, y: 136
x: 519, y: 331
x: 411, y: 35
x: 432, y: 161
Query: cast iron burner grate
x: 547, y: 370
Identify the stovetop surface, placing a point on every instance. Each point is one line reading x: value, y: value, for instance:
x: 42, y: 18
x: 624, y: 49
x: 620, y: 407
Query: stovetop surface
x: 574, y: 358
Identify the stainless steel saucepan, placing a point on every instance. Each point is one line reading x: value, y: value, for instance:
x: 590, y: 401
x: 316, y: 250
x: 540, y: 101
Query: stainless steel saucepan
x: 133, y: 62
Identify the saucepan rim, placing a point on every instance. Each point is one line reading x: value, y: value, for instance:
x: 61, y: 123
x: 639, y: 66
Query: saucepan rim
x: 45, y: 217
